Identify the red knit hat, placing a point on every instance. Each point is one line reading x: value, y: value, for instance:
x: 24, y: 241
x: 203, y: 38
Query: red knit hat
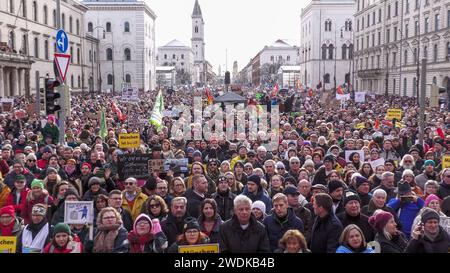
x: 8, y: 210
x: 380, y: 219
x: 86, y: 164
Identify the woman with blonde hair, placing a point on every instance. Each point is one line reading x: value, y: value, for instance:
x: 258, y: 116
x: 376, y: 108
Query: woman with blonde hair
x: 293, y: 241
x: 236, y: 187
x: 177, y: 187
x: 352, y: 240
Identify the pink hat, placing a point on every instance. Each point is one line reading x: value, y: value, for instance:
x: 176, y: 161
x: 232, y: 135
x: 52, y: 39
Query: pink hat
x: 379, y: 220
x: 430, y: 198
x: 52, y: 118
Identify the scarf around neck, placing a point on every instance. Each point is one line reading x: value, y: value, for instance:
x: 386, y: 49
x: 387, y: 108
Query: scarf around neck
x: 105, y: 239
x: 138, y: 242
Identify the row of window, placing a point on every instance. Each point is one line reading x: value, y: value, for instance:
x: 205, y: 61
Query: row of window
x: 126, y: 54
x: 109, y: 79
x: 35, y: 15
x: 280, y: 58
x: 126, y: 27
x: 36, y: 52
x: 347, y: 25
x: 174, y: 56
x: 391, y: 58
x: 365, y: 3
x: 347, y: 52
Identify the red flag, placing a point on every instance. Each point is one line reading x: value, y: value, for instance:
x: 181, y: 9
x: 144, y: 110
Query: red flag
x: 339, y: 90
x: 377, y: 124
x: 118, y: 112
x: 440, y: 132
x: 310, y: 92
x: 275, y: 90
x: 209, y: 96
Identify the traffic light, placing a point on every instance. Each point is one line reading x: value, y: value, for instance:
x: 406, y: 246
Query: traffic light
x: 227, y: 77
x: 51, y: 96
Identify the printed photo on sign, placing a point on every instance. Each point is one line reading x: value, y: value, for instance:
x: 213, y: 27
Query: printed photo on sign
x: 176, y: 165
x: 348, y: 153
x: 79, y: 212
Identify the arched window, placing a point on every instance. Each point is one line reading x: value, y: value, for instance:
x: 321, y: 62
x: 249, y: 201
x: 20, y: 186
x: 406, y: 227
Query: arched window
x: 78, y: 55
x: 46, y: 49
x: 70, y: 24
x: 272, y: 58
x: 45, y: 14
x: 344, y: 52
x: 90, y: 55
x: 415, y: 55
x: 54, y: 18
x: 434, y: 80
x: 109, y: 54
x: 196, y: 29
x: 126, y: 27
x: 35, y: 12
x: 435, y: 53
x: 173, y: 56
x: 127, y: 54
x: 182, y: 56
x: 330, y: 51
x: 24, y: 47
x: 288, y: 58
x: 63, y: 21
x: 324, y: 52
x: 11, y: 40
x: 24, y: 8
x: 36, y: 47
x: 405, y: 82
x: 165, y: 56
x: 90, y: 27
x: 108, y: 27
x: 71, y: 55
x: 128, y: 78
x: 110, y: 79
x: 326, y: 78
x: 78, y: 26
x: 11, y: 6
x: 447, y: 57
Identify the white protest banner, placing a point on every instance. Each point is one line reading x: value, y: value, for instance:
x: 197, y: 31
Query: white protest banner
x: 79, y: 212
x: 360, y: 96
x: 342, y: 97
x: 445, y: 224
x: 376, y: 163
x: 349, y: 152
x: 130, y: 94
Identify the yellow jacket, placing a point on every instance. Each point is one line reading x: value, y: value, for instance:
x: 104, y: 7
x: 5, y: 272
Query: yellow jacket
x: 139, y: 200
x: 236, y: 159
x: 4, y: 192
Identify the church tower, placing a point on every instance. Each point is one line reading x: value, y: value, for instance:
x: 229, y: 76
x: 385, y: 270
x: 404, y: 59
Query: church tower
x: 197, y: 41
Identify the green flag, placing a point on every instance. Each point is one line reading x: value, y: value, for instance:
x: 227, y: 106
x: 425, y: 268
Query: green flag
x: 103, y: 129
x: 157, y: 113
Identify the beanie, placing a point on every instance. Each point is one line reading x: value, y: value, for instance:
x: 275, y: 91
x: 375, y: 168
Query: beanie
x: 334, y: 185
x: 259, y: 205
x: 359, y: 180
x: 197, y: 153
x: 142, y: 217
x: 255, y: 179
x: 430, y: 198
x: 403, y: 188
x: 350, y: 196
x: 20, y: 177
x: 8, y: 210
x: 407, y: 172
x: 429, y: 162
x: 61, y: 228
x: 329, y: 157
x: 87, y: 165
x: 379, y: 220
x: 72, y: 191
x: 51, y: 170
x: 429, y: 214
x: 39, y: 209
x: 190, y: 223
x: 37, y: 183
x: 94, y: 180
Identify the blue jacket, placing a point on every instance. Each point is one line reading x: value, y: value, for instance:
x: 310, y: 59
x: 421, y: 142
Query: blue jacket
x: 408, y: 213
x: 275, y: 229
x: 344, y: 249
x: 261, y: 196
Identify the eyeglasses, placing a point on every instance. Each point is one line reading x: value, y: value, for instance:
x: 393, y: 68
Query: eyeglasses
x: 251, y: 156
x: 154, y: 206
x: 193, y: 231
x: 109, y: 217
x: 295, y: 162
x: 129, y: 183
x: 248, y: 168
x: 407, y: 161
x: 31, y: 160
x: 212, y: 164
x: 280, y: 168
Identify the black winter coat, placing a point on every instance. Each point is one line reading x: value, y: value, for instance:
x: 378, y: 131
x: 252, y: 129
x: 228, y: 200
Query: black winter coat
x: 276, y: 229
x: 305, y: 215
x: 193, y: 202
x: 325, y: 234
x: 424, y: 245
x: 233, y: 239
x: 172, y: 228
x: 362, y: 221
x: 225, y: 205
x: 396, y: 245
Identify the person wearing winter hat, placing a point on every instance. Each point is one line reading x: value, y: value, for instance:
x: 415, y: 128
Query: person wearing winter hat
x: 70, y: 195
x: 362, y: 187
x: 294, y: 197
x: 147, y: 236
x: 336, y: 191
x: 352, y: 215
x: 432, y: 202
x: 406, y: 205
x: 428, y: 236
x: 94, y: 189
x: 37, y: 234
x: 10, y: 225
x: 323, y: 171
x: 408, y: 177
x: 191, y: 235
x: 51, y: 130
x: 255, y: 192
x: 37, y: 195
x: 391, y: 240
x: 63, y: 241
x: 259, y: 210
x: 242, y: 156
x: 428, y: 173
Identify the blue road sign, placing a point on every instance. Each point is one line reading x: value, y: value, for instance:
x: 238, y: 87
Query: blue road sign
x: 62, y: 41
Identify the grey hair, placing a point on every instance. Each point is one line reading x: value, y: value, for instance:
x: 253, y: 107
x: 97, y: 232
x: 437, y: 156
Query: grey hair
x: 386, y: 175
x: 380, y: 192
x: 241, y: 199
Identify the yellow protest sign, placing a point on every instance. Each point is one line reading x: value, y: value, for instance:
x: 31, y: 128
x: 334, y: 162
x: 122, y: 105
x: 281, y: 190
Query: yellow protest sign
x: 205, y: 248
x: 129, y: 140
x: 360, y: 126
x: 394, y: 113
x: 8, y: 244
x: 446, y: 161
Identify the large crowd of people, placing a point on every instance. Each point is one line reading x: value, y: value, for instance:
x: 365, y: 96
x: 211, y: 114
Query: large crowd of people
x: 343, y: 179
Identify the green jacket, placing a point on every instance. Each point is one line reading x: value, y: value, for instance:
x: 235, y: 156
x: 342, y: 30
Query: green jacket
x: 51, y: 130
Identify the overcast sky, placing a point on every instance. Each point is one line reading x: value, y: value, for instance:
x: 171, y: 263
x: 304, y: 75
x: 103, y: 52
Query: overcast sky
x: 243, y: 27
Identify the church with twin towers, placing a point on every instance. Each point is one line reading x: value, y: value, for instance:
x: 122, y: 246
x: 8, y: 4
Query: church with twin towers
x: 188, y: 63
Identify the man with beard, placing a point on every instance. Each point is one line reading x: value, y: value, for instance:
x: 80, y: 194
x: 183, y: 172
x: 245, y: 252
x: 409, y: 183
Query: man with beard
x: 389, y: 166
x: 428, y: 174
x: 336, y: 191
x: 408, y: 163
x: 415, y: 152
x: 388, y: 151
x: 325, y: 170
x: 387, y: 184
x: 173, y: 225
x: 213, y: 170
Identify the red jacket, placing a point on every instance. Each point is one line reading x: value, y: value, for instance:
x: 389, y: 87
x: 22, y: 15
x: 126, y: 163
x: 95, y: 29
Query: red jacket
x: 28, y: 206
x: 74, y: 246
x: 4, y: 168
x: 17, y: 204
x: 42, y: 163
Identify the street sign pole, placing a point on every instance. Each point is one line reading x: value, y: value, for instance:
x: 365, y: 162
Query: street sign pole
x: 422, y: 101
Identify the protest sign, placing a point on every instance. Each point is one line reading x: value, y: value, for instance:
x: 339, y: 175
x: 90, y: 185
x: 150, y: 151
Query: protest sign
x: 132, y: 140
x: 349, y: 152
x: 360, y: 97
x: 79, y: 212
x: 8, y: 244
x: 176, y: 165
x: 133, y: 165
x: 7, y: 104
x: 394, y: 113
x: 204, y: 248
x: 445, y: 161
x: 156, y: 165
x: 376, y: 163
